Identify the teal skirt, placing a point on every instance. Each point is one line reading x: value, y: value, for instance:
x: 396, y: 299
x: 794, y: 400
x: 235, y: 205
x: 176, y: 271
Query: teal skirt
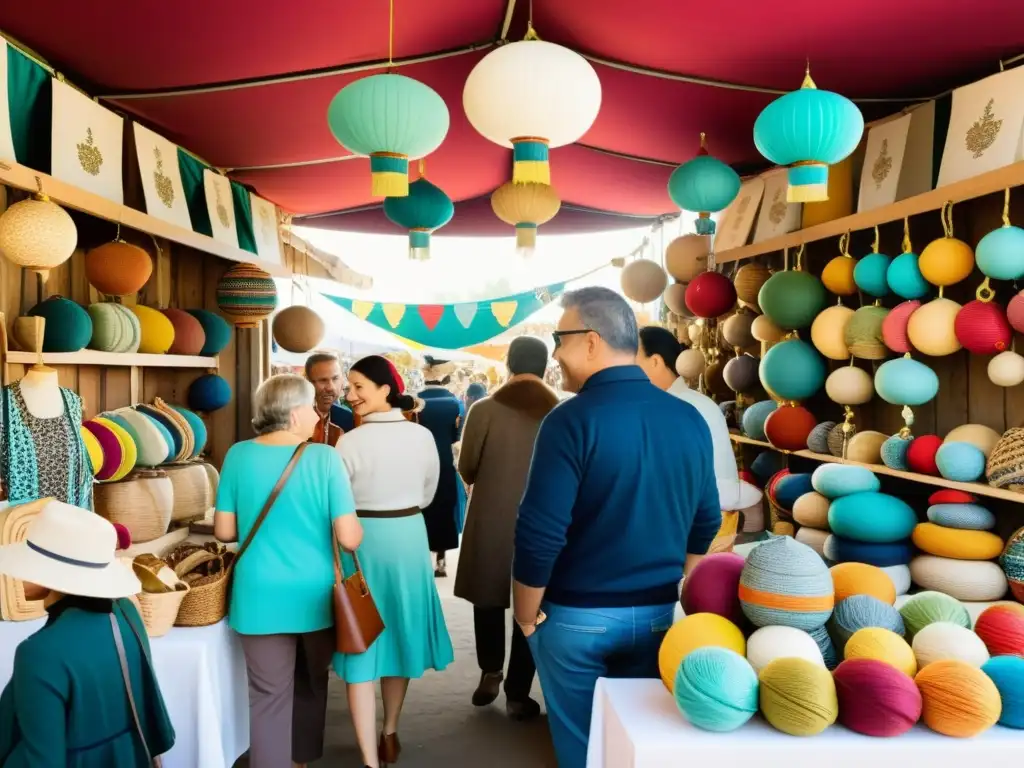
x: 396, y: 563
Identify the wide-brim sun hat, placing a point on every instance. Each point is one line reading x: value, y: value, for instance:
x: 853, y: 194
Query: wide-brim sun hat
x: 735, y: 495
x: 70, y: 550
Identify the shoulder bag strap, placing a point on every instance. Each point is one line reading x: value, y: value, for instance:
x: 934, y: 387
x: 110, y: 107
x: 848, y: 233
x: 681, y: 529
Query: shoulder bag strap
x: 126, y: 677
x: 270, y: 501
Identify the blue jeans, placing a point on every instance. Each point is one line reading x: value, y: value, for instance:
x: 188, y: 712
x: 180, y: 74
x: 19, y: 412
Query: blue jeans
x: 575, y: 646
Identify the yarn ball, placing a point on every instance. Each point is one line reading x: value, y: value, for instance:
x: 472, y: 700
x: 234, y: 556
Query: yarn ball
x: 864, y: 333
x: 981, y: 328
x: 755, y: 416
x: 962, y: 462
x: 952, y: 496
x: 852, y: 579
x: 299, y: 329
x: 931, y: 328
x: 842, y: 550
x: 926, y: 608
x: 208, y: 393
x: 189, y: 336
x: 787, y: 427
x: 858, y: 612
x: 1007, y: 673
x: 828, y: 649
x: 798, y: 697
x: 958, y: 699
x: 870, y: 274
x: 157, y: 330
x: 881, y: 645
x: 792, y: 299
x: 837, y: 276
x: 942, y: 640
x: 905, y: 278
x: 792, y: 370
x: 767, y: 644
x: 817, y: 441
x: 68, y: 325
x: 828, y: 332
x: 894, y: 452
x: 957, y: 543
x: 900, y: 575
x: 921, y: 454
x: 969, y: 580
x: 710, y: 295
x: 894, y: 327
x: 118, y: 268
x: 785, y: 582
x: 875, y: 518
x: 216, y: 329
x: 836, y: 480
x: 811, y: 510
x: 849, y: 385
x: 716, y: 689
x: 696, y: 631
x: 1002, y: 631
x: 712, y: 587
x: 876, y: 699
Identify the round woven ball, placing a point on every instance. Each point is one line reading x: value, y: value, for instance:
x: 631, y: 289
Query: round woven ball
x: 740, y: 374
x: 674, y: 298
x: 37, y: 234
x: 864, y: 333
x: 792, y: 299
x: 690, y: 364
x: 716, y: 689
x: 811, y: 509
x: 858, y: 612
x: 787, y: 427
x: 189, y: 336
x: 748, y: 281
x: 298, y: 329
x: 817, y: 441
x: 881, y: 645
x: 926, y: 608
x: 828, y: 332
x: 712, y: 587
x: 696, y: 631
x: 946, y: 261
x: 217, y: 330
x: 838, y: 276
x: 894, y: 452
x: 686, y: 257
x: 931, y: 328
x: 958, y: 699
x: 785, y: 582
x: 828, y: 649
x: 643, y: 280
x: 1002, y: 631
x: 1012, y: 561
x: 246, y: 294
x: 921, y: 454
x: 798, y: 697
x: 710, y: 294
x: 876, y: 699
x: 849, y: 385
x: 968, y: 580
x: 981, y: 328
x: 849, y: 579
x: 68, y: 325
x: 792, y: 370
x: 943, y: 640
x: 736, y: 330
x: 1007, y: 672
x: 118, y: 268
x: 837, y: 439
x: 209, y: 393
x: 156, y: 328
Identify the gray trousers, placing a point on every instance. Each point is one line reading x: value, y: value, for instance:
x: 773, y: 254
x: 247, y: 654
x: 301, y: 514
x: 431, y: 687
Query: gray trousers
x: 287, y: 696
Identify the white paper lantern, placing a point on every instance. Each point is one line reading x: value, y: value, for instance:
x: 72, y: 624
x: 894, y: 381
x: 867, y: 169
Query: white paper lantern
x: 532, y: 96
x: 37, y: 235
x: 1006, y: 369
x: 643, y: 280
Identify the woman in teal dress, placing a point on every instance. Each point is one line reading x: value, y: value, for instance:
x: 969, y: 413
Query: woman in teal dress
x: 394, y: 469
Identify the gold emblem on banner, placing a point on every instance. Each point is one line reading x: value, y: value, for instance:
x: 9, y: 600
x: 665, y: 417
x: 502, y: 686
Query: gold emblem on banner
x: 89, y: 155
x: 164, y: 185
x: 778, y: 210
x: 741, y: 210
x: 983, y: 133
x: 222, y: 212
x: 883, y: 164
x: 266, y: 226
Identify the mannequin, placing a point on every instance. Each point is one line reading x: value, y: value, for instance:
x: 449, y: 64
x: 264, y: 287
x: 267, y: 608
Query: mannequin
x: 41, y: 392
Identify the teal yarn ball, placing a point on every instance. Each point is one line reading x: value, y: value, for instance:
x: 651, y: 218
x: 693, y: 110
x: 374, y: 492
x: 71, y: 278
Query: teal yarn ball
x: 926, y: 608
x: 754, y: 418
x: 828, y: 650
x: 870, y: 274
x: 894, y: 452
x: 779, y: 570
x: 1007, y: 672
x: 716, y: 689
x: 1000, y: 254
x: 835, y: 480
x: 217, y: 330
x: 793, y: 370
x: 860, y: 611
x: 873, y: 518
x: 905, y: 278
x: 68, y: 325
x: 905, y: 381
x: 963, y: 462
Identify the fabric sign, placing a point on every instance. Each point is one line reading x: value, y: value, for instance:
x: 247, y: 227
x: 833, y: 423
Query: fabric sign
x: 6, y: 135
x: 264, y: 227
x: 221, y: 207
x: 161, y: 177
x: 85, y: 143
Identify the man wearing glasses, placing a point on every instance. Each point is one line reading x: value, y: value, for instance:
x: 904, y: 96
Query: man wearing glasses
x: 621, y: 493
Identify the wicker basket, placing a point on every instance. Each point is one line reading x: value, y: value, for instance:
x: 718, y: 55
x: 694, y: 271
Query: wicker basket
x: 192, y: 496
x: 205, y: 569
x: 160, y: 611
x: 143, y: 503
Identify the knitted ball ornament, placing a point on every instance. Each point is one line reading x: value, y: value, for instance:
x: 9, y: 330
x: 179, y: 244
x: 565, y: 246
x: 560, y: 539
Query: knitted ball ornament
x: 712, y: 587
x: 1007, y: 673
x: 298, y: 329
x: 770, y: 643
x: 894, y: 452
x: 1002, y: 631
x: 875, y: 518
x: 849, y: 579
x: 246, y: 294
x: 957, y: 543
x: 881, y: 645
x: 798, y: 697
x: 216, y: 329
x: 209, y: 393
x: 189, y: 336
x: 68, y: 325
x: 921, y: 454
x: 876, y: 699
x: 958, y: 699
x: 716, y: 689
x: 828, y: 649
x: 842, y: 550
x: 858, y: 612
x: 696, y: 631
x: 811, y: 509
x: 828, y: 332
x: 943, y: 640
x: 786, y: 582
x: 926, y: 608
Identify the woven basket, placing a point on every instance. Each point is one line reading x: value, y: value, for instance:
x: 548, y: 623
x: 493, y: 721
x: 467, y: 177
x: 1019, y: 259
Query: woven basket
x: 160, y: 611
x: 192, y: 496
x: 205, y: 569
x: 1006, y: 462
x: 143, y: 503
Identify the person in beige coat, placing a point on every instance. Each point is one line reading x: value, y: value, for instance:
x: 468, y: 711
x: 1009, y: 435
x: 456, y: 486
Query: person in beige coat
x: 497, y: 446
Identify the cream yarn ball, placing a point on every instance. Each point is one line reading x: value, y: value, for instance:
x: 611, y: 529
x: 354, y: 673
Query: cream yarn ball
x: 828, y: 332
x: 944, y: 640
x: 764, y: 329
x: 866, y: 447
x: 849, y: 385
x: 778, y: 642
x: 813, y: 538
x: 643, y: 280
x: 931, y: 328
x: 1006, y: 369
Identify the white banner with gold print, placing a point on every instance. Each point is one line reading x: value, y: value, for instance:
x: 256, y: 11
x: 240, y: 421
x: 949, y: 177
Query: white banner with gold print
x: 738, y: 220
x: 221, y: 207
x: 777, y: 217
x: 6, y: 138
x: 85, y: 143
x: 264, y: 227
x: 161, y: 177
x: 883, y: 162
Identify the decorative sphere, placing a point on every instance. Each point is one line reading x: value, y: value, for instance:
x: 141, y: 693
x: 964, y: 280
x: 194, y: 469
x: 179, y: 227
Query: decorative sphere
x: 156, y: 330
x: 118, y: 268
x: 675, y: 299
x: 894, y: 452
x: 787, y: 427
x: 798, y: 697
x: 836, y: 480
x: 894, y: 327
x: 209, y: 393
x: 68, y: 325
x: 946, y: 261
x: 817, y: 441
x: 1000, y: 253
x: 690, y: 364
x: 905, y: 278
x: 849, y: 385
x: 870, y: 274
x: 876, y: 699
x: 704, y: 184
x: 881, y: 645
x: 740, y: 374
x: 1012, y: 561
x: 298, y: 329
x: 643, y: 280
x: 838, y: 276
x: 1015, y: 312
x: 828, y: 332
x: 906, y: 381
x: 188, y: 333
x: 687, y: 256
x: 696, y: 631
x: 776, y: 642
x: 810, y: 510
x: 1007, y: 673
x: 863, y: 580
x: 921, y: 454
x: 926, y: 608
x: 981, y: 328
x: 778, y: 570
x: 736, y: 330
x: 711, y: 587
x: 748, y: 281
x: 764, y: 330
x: 943, y: 640
x: 931, y: 329
x: 37, y: 234
x: 755, y: 416
x: 716, y: 689
x: 792, y: 299
x: 982, y: 437
x: 218, y: 332
x: 864, y: 333
x: 860, y: 611
x: 1006, y: 369
x: 960, y: 461
x: 710, y: 295
x: 792, y: 370
x: 959, y: 699
x: 246, y: 293
x: 1002, y: 631
x: 874, y: 518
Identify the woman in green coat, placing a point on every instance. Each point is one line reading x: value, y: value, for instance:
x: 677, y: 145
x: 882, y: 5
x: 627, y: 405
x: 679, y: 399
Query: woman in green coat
x: 67, y: 704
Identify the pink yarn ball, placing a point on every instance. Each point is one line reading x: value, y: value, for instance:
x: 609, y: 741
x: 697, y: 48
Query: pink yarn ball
x: 713, y: 587
x: 875, y: 698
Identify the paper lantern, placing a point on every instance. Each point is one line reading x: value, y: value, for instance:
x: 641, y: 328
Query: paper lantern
x: 710, y: 295
x: 298, y: 329
x: 1015, y: 312
x: 798, y: 697
x: 981, y: 328
x: 931, y: 328
x: 876, y: 699
x: 946, y: 261
x: 690, y: 364
x: 697, y: 630
x: 118, y: 268
x: 643, y: 280
x: 849, y: 385
x: 906, y: 381
x: 189, y: 336
x: 37, y: 234
x: 704, y: 185
x: 687, y: 256
x: 68, y: 325
x: 837, y: 276
x: 525, y: 207
x: 792, y: 370
x: 904, y: 277
x: 894, y: 326
x: 870, y: 274
x: 864, y: 333
x: 959, y: 699
x: 1006, y: 369
x: 424, y: 209
x: 675, y: 298
x: 828, y: 332
x: 532, y: 96
x: 247, y: 294
x: 740, y: 374
x: 808, y: 130
x: 787, y: 427
x: 792, y: 299
x: 391, y: 119
x: 1000, y: 253
x: 736, y: 330
x: 748, y: 281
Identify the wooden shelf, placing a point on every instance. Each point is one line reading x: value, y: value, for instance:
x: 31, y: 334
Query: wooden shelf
x: 977, y: 186
x: 23, y: 177
x: 978, y: 489
x: 120, y: 359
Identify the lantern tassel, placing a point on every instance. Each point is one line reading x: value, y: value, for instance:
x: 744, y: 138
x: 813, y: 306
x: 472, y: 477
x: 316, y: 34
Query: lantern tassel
x: 705, y: 224
x: 808, y: 182
x: 419, y: 244
x: 390, y: 174
x: 530, y: 160
x: 526, y: 235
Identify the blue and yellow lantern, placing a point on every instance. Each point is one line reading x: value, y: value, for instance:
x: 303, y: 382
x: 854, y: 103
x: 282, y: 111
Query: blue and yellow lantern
x: 704, y: 185
x: 425, y: 209
x: 807, y: 131
x: 391, y: 119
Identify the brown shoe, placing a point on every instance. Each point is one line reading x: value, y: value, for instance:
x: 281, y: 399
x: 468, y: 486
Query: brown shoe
x: 389, y: 748
x: 488, y: 689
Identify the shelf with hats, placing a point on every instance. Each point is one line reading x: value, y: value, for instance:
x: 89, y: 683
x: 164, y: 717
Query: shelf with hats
x: 118, y: 359
x: 979, y: 489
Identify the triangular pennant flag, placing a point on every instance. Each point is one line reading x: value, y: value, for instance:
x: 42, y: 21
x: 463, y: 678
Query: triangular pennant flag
x: 362, y: 309
x: 394, y: 313
x: 465, y: 313
x: 431, y: 314
x: 503, y: 311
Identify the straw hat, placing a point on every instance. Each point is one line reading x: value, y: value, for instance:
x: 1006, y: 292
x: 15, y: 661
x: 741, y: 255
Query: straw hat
x: 70, y: 550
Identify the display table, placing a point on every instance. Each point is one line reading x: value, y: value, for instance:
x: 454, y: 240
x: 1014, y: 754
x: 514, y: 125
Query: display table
x: 636, y: 725
x: 202, y: 675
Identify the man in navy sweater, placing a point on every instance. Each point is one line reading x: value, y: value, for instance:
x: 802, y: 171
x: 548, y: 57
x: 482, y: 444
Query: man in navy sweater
x: 621, y: 495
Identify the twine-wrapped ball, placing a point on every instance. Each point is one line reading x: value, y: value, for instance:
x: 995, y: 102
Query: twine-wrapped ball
x: 686, y: 257
x: 246, y: 294
x: 675, y: 299
x: 981, y: 328
x: 926, y: 608
x: 798, y: 697
x: 959, y: 699
x: 712, y: 587
x: 792, y: 299
x: 736, y: 330
x: 710, y: 295
x: 748, y: 281
x: 696, y: 631
x: 118, y: 268
x: 37, y: 234
x: 859, y: 612
x: 881, y: 645
x: 864, y: 333
x: 785, y: 582
x: 767, y: 644
x: 828, y: 332
x: 298, y: 329
x: 716, y: 689
x: 853, y: 579
x: 643, y: 280
x: 787, y: 427
x: 1007, y: 673
x: 931, y: 328
x: 1002, y: 631
x: 876, y: 699
x: 944, y: 640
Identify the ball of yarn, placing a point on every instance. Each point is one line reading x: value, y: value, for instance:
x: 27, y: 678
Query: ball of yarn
x: 118, y: 268
x: 716, y: 689
x: 811, y: 509
x: 962, y: 462
x: 1002, y: 631
x: 876, y: 699
x: 943, y: 640
x: 1007, y: 673
x: 817, y: 441
x: 712, y: 587
x: 786, y: 582
x: 926, y: 608
x: 957, y: 543
x: 921, y: 454
x: 208, y: 393
x: 755, y: 416
x: 881, y: 645
x: 958, y: 699
x: 789, y: 488
x: 876, y: 518
x: 157, y: 330
x: 849, y: 579
x: 842, y: 550
x: 859, y: 612
x: 828, y: 649
x: 189, y: 336
x: 984, y: 438
x: 798, y: 697
x: 218, y: 331
x: 696, y: 631
x: 770, y: 643
x: 970, y: 580
x: 970, y: 517
x: 836, y: 480
x: 766, y: 464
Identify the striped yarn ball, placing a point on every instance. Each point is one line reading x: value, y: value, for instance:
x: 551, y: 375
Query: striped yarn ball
x: 828, y: 649
x: 959, y: 700
x: 860, y: 611
x: 786, y: 582
x: 926, y: 608
x: 1012, y: 561
x: 875, y: 698
x: 246, y: 294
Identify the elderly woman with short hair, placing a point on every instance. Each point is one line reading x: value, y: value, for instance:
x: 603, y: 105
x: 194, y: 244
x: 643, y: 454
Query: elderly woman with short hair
x: 281, y: 599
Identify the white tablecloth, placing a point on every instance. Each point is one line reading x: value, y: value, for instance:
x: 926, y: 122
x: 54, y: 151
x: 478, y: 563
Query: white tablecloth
x: 636, y: 725
x: 202, y: 675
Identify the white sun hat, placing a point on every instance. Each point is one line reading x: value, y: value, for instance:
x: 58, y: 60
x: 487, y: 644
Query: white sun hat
x: 70, y: 550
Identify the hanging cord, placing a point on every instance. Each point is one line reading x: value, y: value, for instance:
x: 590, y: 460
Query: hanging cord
x: 531, y: 33
x: 800, y: 258
x: 785, y: 259
x: 874, y: 245
x: 844, y: 245
x: 391, y: 34
x: 908, y: 247
x: 1006, y: 207
x: 947, y: 218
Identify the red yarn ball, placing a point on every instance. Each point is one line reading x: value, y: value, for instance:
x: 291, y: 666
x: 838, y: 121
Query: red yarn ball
x: 710, y: 295
x: 875, y: 698
x: 921, y: 454
x: 981, y: 328
x: 787, y: 427
x: 713, y: 587
x: 1002, y: 630
x: 951, y: 496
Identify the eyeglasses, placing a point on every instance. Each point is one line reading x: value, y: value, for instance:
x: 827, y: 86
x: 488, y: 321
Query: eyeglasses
x: 557, y: 335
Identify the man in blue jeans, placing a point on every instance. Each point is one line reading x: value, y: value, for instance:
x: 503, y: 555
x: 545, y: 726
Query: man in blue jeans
x: 621, y: 494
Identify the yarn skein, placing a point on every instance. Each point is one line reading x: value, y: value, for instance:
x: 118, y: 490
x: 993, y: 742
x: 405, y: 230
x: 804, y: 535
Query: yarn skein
x: 826, y: 646
x: 711, y: 587
x: 944, y: 640
x: 1001, y: 628
x: 875, y: 698
x: 882, y: 645
x: 770, y: 643
x: 1007, y: 672
x: 716, y: 689
x: 798, y: 697
x: 958, y: 699
x: 786, y: 582
x: 858, y: 612
x: 925, y: 608
x: 691, y: 633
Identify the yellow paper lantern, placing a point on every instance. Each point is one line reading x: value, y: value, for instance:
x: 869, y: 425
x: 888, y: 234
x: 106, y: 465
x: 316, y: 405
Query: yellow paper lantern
x: 931, y: 328
x: 37, y: 234
x: 525, y: 207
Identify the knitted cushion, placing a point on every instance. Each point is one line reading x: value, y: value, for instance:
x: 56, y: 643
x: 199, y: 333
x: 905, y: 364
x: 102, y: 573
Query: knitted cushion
x: 973, y: 517
x: 952, y: 496
x: 956, y: 542
x: 209, y: 393
x: 152, y: 440
x: 835, y: 480
x: 876, y: 518
x: 968, y: 580
x: 786, y: 582
x: 842, y: 550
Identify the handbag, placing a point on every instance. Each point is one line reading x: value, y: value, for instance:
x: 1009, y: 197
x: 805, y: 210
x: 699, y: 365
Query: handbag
x: 357, y: 622
x: 155, y: 762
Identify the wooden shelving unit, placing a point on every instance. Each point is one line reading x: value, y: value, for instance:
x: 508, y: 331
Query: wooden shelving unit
x: 116, y: 359
x: 978, y: 489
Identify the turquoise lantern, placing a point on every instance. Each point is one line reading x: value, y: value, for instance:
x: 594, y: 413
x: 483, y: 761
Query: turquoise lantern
x: 705, y: 185
x: 391, y: 119
x: 807, y: 131
x: 425, y: 209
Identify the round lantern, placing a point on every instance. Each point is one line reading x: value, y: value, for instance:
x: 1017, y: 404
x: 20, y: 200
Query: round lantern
x: 298, y: 329
x: 906, y: 381
x: 808, y: 130
x: 1015, y: 312
x: 838, y: 275
x: 710, y: 295
x: 736, y: 330
x: 946, y: 261
x: 765, y: 331
x: 425, y: 208
x: 675, y: 299
x: 894, y: 327
x: 828, y: 332
x: 1000, y: 254
x: 216, y: 330
x: 787, y: 427
x: 644, y: 280
x: 792, y: 370
x: 981, y: 327
x: 118, y: 268
x: 740, y: 374
x: 870, y: 274
x: 931, y: 328
x: 687, y: 256
x: 68, y: 325
x: 690, y: 364
x: 532, y: 96
x: 864, y: 333
x: 792, y: 299
x: 904, y: 277
x: 189, y: 336
x: 1006, y: 369
x: 247, y: 294
x: 37, y: 234
x: 704, y: 185
x: 849, y: 385
x: 525, y: 207
x: 748, y: 281
x: 391, y: 119
x: 209, y: 393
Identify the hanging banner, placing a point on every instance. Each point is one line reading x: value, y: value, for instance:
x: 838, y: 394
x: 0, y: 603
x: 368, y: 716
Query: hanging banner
x: 221, y: 206
x: 6, y: 135
x: 264, y: 228
x: 161, y: 178
x: 85, y: 143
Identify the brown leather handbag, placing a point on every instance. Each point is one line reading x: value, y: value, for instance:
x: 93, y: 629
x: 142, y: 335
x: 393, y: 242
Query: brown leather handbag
x: 357, y: 622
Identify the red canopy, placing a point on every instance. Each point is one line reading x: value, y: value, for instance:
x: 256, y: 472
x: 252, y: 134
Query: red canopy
x: 245, y: 83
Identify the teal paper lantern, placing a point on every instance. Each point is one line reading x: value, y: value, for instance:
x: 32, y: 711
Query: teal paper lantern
x: 390, y: 118
x: 425, y: 209
x: 870, y: 274
x: 704, y: 185
x: 792, y: 370
x: 905, y: 279
x: 807, y: 131
x: 1000, y: 254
